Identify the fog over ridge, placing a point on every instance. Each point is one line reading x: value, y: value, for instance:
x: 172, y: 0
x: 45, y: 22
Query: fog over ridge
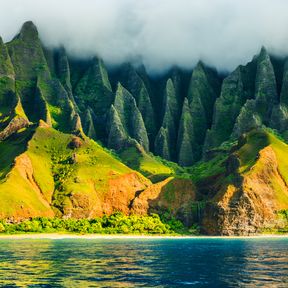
x: 159, y: 34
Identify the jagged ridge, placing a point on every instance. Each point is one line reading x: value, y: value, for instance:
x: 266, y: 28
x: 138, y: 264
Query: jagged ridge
x: 184, y: 117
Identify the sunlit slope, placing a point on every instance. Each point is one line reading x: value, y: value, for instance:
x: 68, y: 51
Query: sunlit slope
x: 146, y: 163
x: 252, y: 188
x: 63, y: 173
x: 250, y: 153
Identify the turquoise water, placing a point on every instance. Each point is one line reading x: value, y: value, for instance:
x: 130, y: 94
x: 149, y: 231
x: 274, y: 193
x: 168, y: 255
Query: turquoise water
x: 144, y: 263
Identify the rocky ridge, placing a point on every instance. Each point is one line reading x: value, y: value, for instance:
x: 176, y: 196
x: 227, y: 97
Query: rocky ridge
x: 192, y: 118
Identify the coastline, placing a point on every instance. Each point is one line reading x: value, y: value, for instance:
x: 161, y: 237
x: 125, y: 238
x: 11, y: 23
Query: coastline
x: 59, y: 236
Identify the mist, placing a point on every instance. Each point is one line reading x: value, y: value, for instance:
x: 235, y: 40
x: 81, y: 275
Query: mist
x: 156, y: 33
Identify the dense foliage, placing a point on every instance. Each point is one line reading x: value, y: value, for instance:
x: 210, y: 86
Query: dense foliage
x: 283, y: 215
x: 116, y: 223
x: 281, y: 226
x: 214, y: 154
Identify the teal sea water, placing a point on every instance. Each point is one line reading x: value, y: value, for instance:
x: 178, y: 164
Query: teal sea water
x: 144, y: 263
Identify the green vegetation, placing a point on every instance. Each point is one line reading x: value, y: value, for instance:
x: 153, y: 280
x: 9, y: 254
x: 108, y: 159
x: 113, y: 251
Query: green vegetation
x: 72, y: 170
x: 283, y: 229
x: 256, y: 140
x: 11, y: 148
x: 133, y: 82
x: 248, y: 154
x: 280, y: 149
x: 126, y: 121
x: 181, y: 117
x: 185, y: 142
x: 165, y: 142
x: 281, y: 226
x: 58, y: 169
x: 94, y: 89
x: 147, y: 164
x: 177, y: 226
x: 206, y: 169
x: 202, y: 93
x: 236, y: 88
x: 117, y: 223
x: 283, y: 214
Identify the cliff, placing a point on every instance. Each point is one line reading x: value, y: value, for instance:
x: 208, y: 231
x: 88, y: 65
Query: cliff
x: 79, y: 140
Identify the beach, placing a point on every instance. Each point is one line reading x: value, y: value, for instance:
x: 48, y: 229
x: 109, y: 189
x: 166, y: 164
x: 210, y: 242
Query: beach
x: 55, y: 236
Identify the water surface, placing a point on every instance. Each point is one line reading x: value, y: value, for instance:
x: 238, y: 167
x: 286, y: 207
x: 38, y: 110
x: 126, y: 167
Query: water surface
x: 144, y: 263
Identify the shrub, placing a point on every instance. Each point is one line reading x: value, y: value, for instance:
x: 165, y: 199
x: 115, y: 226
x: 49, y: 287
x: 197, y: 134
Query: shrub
x: 115, y: 223
x: 2, y: 228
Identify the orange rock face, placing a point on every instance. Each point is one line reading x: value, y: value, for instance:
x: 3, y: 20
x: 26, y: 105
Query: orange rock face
x: 248, y: 206
x: 173, y: 195
x: 24, y: 207
x: 119, y: 193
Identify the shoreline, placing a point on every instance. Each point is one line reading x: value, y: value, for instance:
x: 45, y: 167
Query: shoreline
x: 59, y: 236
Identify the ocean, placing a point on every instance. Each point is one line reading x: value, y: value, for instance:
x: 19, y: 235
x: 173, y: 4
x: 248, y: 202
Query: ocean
x: 147, y: 262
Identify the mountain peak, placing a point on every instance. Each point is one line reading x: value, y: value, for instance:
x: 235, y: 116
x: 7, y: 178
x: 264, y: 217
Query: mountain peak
x: 28, y: 31
x: 200, y: 65
x: 263, y: 53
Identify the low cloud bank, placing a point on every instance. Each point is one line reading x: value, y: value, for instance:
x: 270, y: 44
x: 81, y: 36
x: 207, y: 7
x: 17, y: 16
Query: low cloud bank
x: 159, y: 34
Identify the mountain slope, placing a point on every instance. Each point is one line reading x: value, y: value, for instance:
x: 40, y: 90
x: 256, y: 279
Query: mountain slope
x: 64, y: 175
x: 196, y: 145
x: 252, y: 188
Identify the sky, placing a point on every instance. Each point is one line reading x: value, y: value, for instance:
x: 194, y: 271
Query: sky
x: 156, y: 33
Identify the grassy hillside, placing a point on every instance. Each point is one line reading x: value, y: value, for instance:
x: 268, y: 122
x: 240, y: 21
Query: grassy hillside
x: 49, y: 167
x: 19, y: 195
x: 57, y: 169
x: 147, y: 164
x: 251, y: 187
x: 249, y: 155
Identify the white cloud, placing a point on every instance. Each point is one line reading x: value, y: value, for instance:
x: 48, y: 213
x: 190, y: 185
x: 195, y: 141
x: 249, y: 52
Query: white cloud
x: 160, y: 33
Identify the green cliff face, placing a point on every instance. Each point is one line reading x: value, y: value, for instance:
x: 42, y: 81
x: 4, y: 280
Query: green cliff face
x: 203, y: 91
x: 12, y: 116
x: 162, y: 144
x: 117, y: 135
x: 212, y: 135
x: 29, y: 62
x: 6, y: 67
x: 236, y: 89
x: 265, y: 86
x: 94, y: 88
x: 284, y: 90
x: 7, y: 81
x: 248, y: 119
x: 42, y: 95
x: 186, y: 143
x: 88, y: 121
x: 76, y: 96
x: 169, y: 123
x: 204, y: 85
x: 127, y: 120
x: 133, y: 82
x: 257, y: 112
x: 279, y: 116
